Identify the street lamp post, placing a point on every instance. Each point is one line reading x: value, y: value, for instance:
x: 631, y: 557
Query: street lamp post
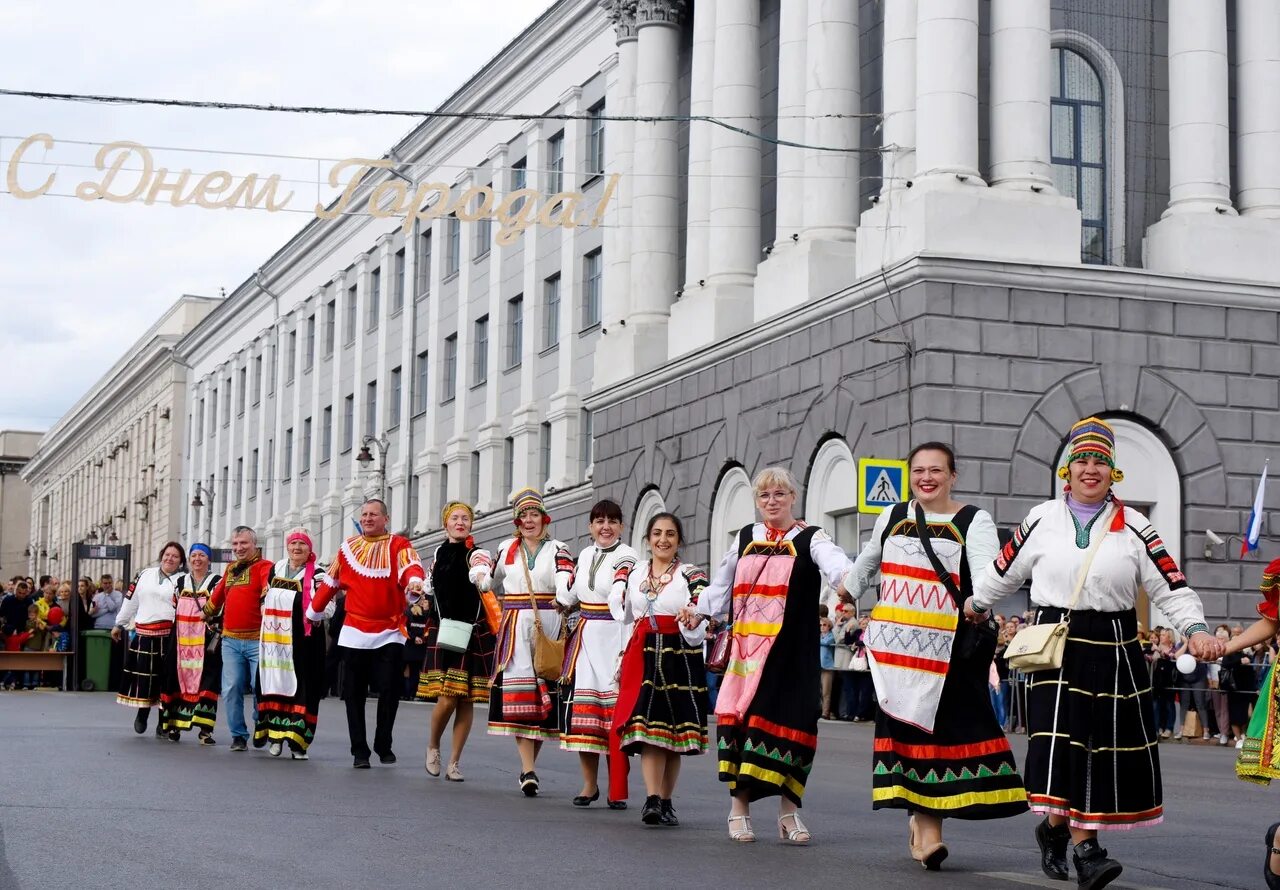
x: 365, y: 457
x: 198, y: 503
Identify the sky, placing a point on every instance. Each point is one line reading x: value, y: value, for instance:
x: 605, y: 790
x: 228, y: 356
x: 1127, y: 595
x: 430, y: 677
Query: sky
x: 81, y: 281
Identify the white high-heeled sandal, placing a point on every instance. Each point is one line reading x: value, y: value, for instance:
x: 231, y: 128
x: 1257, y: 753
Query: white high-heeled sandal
x: 743, y: 833
x: 798, y: 835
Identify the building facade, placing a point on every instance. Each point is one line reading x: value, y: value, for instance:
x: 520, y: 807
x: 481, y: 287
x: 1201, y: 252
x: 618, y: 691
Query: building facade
x: 17, y: 553
x: 109, y: 471
x: 828, y: 230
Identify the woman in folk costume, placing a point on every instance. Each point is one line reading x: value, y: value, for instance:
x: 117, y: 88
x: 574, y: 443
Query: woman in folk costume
x: 1259, y: 758
x: 193, y: 666
x: 150, y: 605
x: 291, y: 652
x: 456, y: 680
x: 662, y: 692
x: 1093, y: 759
x: 591, y: 654
x: 531, y: 570
x: 939, y: 749
x: 768, y: 586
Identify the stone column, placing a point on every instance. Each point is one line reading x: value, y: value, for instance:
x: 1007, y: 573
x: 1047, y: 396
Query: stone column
x: 898, y: 96
x: 489, y: 434
x: 698, y: 216
x: 1021, y: 84
x: 655, y: 210
x: 831, y: 88
x: 723, y: 306
x: 525, y: 420
x: 1258, y: 108
x: 563, y: 406
x: 947, y: 92
x: 793, y: 20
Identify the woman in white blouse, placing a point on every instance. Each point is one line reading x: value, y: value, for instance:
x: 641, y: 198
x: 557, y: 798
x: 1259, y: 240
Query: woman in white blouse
x: 661, y: 710
x: 150, y: 605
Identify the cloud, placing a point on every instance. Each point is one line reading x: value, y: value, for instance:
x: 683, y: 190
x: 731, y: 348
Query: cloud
x: 84, y: 280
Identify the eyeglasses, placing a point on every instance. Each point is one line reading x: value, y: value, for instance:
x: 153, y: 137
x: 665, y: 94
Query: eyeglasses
x: 773, y: 495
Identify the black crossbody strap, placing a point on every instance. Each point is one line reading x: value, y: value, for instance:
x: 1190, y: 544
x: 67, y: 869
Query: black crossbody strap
x: 922, y: 530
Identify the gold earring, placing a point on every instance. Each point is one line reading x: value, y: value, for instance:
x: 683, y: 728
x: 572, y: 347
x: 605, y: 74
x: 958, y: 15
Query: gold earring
x: 1064, y: 473
x: 1116, y: 475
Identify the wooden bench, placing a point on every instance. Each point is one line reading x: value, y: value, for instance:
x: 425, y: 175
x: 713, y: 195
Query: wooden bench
x: 36, y: 661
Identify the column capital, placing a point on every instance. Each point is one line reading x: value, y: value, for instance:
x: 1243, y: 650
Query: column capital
x: 623, y: 15
x: 660, y: 12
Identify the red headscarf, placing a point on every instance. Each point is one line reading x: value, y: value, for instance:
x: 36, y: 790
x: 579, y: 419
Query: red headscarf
x: 309, y: 575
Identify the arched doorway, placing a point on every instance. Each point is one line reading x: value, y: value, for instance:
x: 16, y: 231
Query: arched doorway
x: 734, y: 507
x: 831, y: 499
x: 1151, y: 485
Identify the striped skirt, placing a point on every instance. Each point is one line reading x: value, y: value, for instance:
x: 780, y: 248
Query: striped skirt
x: 1093, y: 754
x: 663, y: 692
x: 462, y: 675
x: 143, y: 677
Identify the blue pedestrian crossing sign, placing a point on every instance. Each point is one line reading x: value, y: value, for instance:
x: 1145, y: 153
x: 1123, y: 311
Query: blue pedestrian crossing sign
x: 882, y: 482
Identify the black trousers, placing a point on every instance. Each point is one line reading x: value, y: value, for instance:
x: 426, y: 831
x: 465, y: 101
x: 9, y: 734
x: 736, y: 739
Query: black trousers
x: 382, y: 668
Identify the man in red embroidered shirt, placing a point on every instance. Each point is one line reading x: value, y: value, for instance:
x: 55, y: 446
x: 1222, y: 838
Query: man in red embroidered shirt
x: 380, y: 572
x: 238, y: 597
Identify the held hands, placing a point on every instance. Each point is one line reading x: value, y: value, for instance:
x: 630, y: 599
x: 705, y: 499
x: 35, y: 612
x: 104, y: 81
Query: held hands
x: 689, y: 617
x: 971, y: 615
x: 1204, y: 646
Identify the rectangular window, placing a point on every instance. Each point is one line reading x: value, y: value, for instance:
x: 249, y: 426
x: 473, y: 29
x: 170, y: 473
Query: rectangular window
x: 348, y: 422
x: 508, y: 465
x: 239, y: 486
x: 375, y: 300
x: 271, y: 368
x: 450, y: 384
x: 255, y: 467
x: 475, y: 476
x: 330, y: 326
x: 414, y: 485
x: 213, y: 409
x: 200, y: 420
x: 309, y: 352
x: 421, y: 394
x: 515, y: 330
x: 306, y: 446
x: 444, y: 484
x: 271, y: 464
x: 422, y: 263
x: 191, y: 426
x: 371, y: 408
x: 555, y: 164
x: 482, y: 234
x: 349, y: 329
x: 453, y: 248
x: 551, y: 311
x: 397, y: 281
x: 288, y: 454
x: 586, y: 434
x: 257, y: 379
x: 592, y: 282
x: 519, y: 180
x: 291, y: 357
x: 480, y: 361
x: 595, y: 140
x: 326, y: 434
x: 226, y: 403
x: 242, y: 386
x: 393, y: 400
x: 222, y: 503
x: 544, y: 455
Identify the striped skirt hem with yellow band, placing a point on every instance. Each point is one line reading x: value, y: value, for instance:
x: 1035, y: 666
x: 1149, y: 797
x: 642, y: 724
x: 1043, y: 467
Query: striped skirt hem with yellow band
x: 1093, y: 755
x: 1259, y: 758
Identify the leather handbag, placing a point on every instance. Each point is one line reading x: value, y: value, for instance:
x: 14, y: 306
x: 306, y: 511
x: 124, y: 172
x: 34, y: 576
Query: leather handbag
x: 548, y: 654
x: 976, y: 643
x: 1040, y: 647
x: 454, y: 635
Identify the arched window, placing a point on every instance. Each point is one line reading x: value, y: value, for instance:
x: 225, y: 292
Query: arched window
x: 734, y: 507
x: 651, y: 504
x: 831, y: 499
x: 1077, y: 137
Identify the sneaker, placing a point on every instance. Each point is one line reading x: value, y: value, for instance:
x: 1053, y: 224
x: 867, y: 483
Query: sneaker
x: 207, y: 740
x: 1222, y: 738
x: 239, y: 744
x: 175, y: 735
x: 1094, y: 870
x: 1177, y: 737
x: 1164, y: 733
x: 1053, y: 842
x: 360, y: 763
x: 387, y: 758
x: 529, y: 784
x: 299, y: 755
x: 1206, y: 736
x: 275, y: 749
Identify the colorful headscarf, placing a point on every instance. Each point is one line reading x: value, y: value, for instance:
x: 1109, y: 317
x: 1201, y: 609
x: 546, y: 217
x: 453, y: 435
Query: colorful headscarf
x: 455, y: 505
x: 1092, y: 437
x: 308, y: 576
x: 200, y: 548
x: 526, y: 498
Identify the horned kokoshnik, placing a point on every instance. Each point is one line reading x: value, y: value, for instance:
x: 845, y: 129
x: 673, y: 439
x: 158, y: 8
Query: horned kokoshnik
x: 1092, y: 437
x: 455, y: 505
x: 526, y: 498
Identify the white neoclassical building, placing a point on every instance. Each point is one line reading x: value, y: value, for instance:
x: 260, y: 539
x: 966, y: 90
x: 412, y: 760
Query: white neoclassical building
x: 837, y: 228
x: 110, y: 470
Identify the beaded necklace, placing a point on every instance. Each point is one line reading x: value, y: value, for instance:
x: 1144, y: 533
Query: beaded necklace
x: 652, y: 587
x: 596, y: 562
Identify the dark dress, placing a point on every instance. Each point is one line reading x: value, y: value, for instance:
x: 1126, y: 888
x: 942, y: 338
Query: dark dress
x: 292, y: 718
x: 445, y: 672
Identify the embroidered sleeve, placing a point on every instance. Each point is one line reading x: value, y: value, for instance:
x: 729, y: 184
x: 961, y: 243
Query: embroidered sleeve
x: 564, y: 571
x: 622, y: 568
x: 1268, y: 607
x: 1167, y: 586
x: 408, y: 564
x: 326, y: 589
x: 480, y: 571
x: 696, y: 578
x: 1009, y: 570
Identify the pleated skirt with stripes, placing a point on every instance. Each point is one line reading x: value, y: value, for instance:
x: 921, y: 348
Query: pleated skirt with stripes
x: 670, y: 711
x: 1093, y: 754
x: 463, y: 675
x: 143, y: 678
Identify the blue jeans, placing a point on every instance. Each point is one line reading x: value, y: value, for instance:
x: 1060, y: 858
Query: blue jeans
x: 239, y: 671
x: 713, y: 690
x: 997, y: 702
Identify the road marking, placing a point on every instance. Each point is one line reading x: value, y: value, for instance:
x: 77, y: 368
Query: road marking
x: 1044, y: 881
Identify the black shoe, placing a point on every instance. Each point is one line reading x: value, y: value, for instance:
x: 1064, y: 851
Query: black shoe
x: 207, y: 739
x: 529, y: 783
x: 388, y: 758
x: 360, y: 763
x: 140, y: 720
x: 239, y: 744
x: 583, y: 801
x: 1093, y: 869
x: 1053, y: 842
x: 651, y: 814
x: 160, y: 732
x: 668, y: 816
x: 175, y: 735
x: 1272, y: 879
x: 616, y: 804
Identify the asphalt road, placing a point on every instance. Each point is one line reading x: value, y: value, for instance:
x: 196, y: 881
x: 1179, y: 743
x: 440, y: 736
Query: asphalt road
x: 86, y: 803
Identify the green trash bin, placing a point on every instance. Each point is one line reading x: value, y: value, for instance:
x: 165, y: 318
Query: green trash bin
x: 97, y: 659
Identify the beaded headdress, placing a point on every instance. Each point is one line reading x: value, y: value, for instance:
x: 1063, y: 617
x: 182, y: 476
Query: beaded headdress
x: 1092, y: 437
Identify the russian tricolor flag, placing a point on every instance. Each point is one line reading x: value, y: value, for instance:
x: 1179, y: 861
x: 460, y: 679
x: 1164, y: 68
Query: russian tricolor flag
x: 1253, y: 528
